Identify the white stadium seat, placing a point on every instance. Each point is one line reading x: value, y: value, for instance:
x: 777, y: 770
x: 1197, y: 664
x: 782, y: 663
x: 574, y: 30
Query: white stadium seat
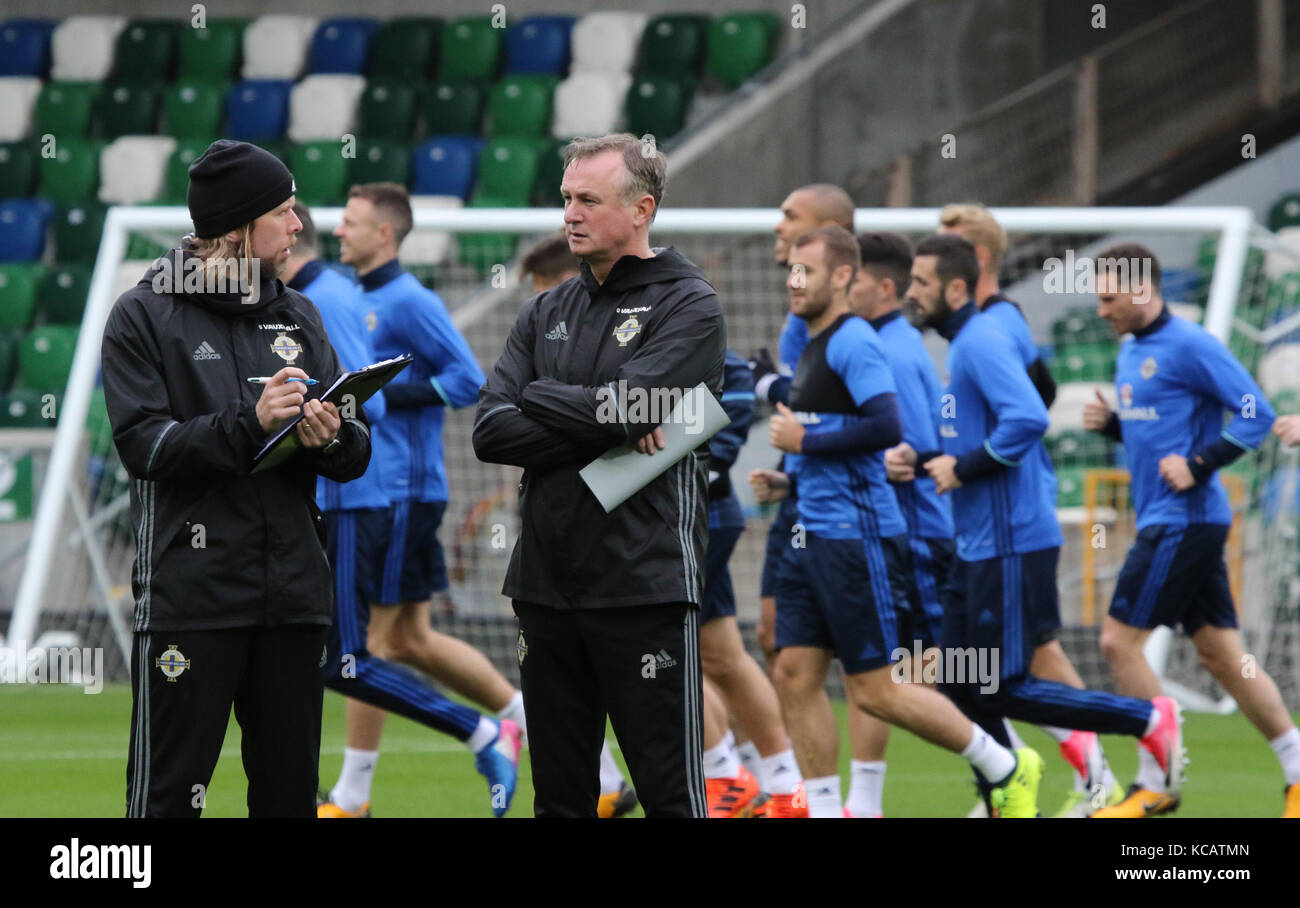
x: 82, y: 48
x: 1278, y: 262
x: 1067, y: 410
x: 17, y: 100
x: 429, y: 247
x: 275, y: 47
x: 1279, y: 369
x: 606, y: 41
x: 589, y: 104
x: 128, y: 274
x: 132, y: 169
x: 324, y: 107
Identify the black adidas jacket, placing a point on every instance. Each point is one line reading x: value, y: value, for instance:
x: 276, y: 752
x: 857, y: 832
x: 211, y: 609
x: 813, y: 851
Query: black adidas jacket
x: 547, y: 406
x: 218, y: 547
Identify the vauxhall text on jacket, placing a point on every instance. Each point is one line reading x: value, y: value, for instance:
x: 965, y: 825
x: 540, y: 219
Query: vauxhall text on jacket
x: 580, y: 369
x: 219, y: 547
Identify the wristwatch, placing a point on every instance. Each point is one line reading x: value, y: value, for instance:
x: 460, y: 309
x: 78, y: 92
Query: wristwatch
x: 335, y: 442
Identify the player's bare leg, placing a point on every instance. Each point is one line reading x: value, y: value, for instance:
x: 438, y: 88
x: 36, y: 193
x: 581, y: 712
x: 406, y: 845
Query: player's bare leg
x: 767, y: 633
x: 743, y: 685
x: 453, y: 662
x: 868, y: 737
x: 800, y: 680
x: 1122, y: 644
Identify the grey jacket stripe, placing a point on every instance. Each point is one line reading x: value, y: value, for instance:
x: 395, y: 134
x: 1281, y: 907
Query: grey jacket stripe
x: 694, y: 731
x: 148, y: 724
x: 153, y: 452
x: 493, y: 411
x: 135, y: 807
x: 679, y: 470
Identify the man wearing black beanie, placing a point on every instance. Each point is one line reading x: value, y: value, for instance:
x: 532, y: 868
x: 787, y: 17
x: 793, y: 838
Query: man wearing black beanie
x: 204, y: 360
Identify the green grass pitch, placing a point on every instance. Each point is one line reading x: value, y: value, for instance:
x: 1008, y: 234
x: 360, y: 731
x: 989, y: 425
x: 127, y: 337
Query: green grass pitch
x: 63, y: 754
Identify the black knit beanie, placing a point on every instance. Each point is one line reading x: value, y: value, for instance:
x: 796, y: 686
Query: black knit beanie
x: 234, y: 183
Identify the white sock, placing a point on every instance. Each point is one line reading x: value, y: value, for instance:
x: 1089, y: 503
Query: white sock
x: 1287, y: 748
x: 514, y: 711
x: 1149, y: 775
x: 484, y: 735
x: 611, y: 778
x: 751, y: 760
x: 720, y: 761
x: 352, y: 790
x: 1060, y: 734
x: 988, y: 756
x: 1017, y: 742
x: 780, y: 773
x: 866, y: 787
x: 824, y: 798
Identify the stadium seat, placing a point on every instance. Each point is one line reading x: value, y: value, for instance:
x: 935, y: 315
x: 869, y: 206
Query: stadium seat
x: 213, y: 52
x: 429, y: 247
x: 341, y: 46
x: 1279, y: 369
x: 275, y: 47
x: 72, y: 173
x: 454, y: 108
x: 406, y: 48
x: 128, y: 274
x: 18, y: 96
x: 481, y: 251
x: 550, y: 174
x: 589, y: 103
x: 8, y: 358
x: 257, y: 110
x: 64, y: 109
x: 1080, y: 448
x: 82, y: 47
x: 539, y: 44
x: 176, y: 175
x: 17, y: 169
x: 77, y: 230
x: 1081, y: 325
x: 674, y: 46
x: 324, y: 107
x: 22, y: 229
x: 321, y: 172
x: 1285, y: 212
x: 133, y: 169
x: 23, y: 408
x: 520, y: 105
x: 1083, y: 362
x: 740, y: 44
x: 18, y: 283
x: 146, y: 50
x: 387, y: 109
x: 127, y: 109
x: 606, y: 42
x: 193, y: 107
x: 507, y: 169
x: 25, y: 47
x: 61, y: 295
x: 1069, y: 487
x: 45, y: 358
x: 469, y: 48
x: 445, y: 165
x: 657, y: 106
x: 380, y: 161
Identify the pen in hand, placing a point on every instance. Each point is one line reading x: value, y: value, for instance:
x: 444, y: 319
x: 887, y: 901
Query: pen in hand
x: 261, y: 380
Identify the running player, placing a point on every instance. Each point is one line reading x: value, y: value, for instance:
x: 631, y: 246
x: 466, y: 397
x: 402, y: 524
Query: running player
x: 1175, y: 381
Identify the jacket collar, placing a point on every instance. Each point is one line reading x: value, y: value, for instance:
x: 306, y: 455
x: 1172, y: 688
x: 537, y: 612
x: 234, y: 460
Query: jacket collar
x: 882, y: 321
x: 385, y: 273
x: 1161, y: 320
x: 306, y: 274
x: 953, y: 324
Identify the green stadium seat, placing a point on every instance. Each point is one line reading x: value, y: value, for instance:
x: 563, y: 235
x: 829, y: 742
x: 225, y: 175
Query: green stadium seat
x: 8, y: 357
x: 146, y: 50
x: 740, y: 44
x: 657, y: 106
x: 320, y: 171
x: 1080, y: 448
x: 18, y: 283
x: 64, y: 109
x: 72, y: 173
x: 16, y: 491
x: 507, y: 169
x: 78, y: 227
x: 17, y: 169
x: 470, y: 48
x: 454, y: 108
x: 142, y: 247
x: 212, y: 52
x: 1069, y: 487
x: 45, y: 358
x: 483, y: 250
x: 61, y: 296
x: 193, y: 108
x: 176, y: 180
x: 388, y: 109
x: 1084, y: 362
x: 1285, y: 212
x: 674, y: 46
x: 127, y: 109
x: 380, y: 162
x: 405, y: 48
x: 550, y: 174
x: 521, y: 106
x: 25, y: 408
x: 1081, y: 325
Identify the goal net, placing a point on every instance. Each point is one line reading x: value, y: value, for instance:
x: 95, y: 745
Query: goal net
x: 68, y: 567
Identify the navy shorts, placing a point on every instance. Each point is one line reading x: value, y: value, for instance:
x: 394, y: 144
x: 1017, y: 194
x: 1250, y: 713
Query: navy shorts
x: 846, y: 596
x: 719, y: 595
x: 414, y: 568
x: 988, y: 605
x: 1176, y: 574
x: 778, y: 543
x: 926, y: 574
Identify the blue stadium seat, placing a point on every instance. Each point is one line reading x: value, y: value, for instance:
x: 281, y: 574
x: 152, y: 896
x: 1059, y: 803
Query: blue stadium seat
x: 539, y: 44
x: 23, y: 224
x: 257, y: 110
x: 25, y: 47
x: 445, y: 165
x: 341, y: 46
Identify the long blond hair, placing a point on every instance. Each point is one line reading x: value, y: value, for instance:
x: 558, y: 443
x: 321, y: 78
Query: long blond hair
x: 219, y: 255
